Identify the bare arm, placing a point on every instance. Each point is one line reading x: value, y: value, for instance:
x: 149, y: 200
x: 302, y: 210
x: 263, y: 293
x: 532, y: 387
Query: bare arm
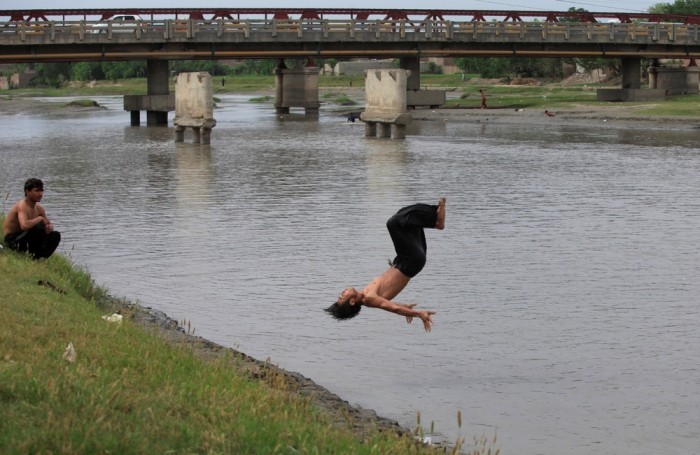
x: 376, y: 301
x: 27, y: 221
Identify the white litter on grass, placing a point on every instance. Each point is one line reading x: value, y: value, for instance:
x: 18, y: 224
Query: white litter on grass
x: 113, y: 318
x: 425, y: 439
x: 69, y: 355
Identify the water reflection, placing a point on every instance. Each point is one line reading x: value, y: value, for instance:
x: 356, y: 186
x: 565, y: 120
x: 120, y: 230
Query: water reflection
x: 194, y: 180
x: 386, y: 164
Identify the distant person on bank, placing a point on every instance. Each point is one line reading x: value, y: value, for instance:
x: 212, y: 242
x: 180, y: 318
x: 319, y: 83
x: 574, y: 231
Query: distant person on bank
x: 27, y: 228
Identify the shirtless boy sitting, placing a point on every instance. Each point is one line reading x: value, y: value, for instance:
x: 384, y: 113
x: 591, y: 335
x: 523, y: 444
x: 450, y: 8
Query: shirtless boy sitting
x: 406, y: 230
x: 26, y: 226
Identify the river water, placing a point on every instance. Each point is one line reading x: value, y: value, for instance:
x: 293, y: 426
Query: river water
x: 566, y: 282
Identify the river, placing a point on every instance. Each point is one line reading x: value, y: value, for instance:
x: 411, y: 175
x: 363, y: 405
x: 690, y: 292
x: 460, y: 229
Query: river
x: 566, y: 281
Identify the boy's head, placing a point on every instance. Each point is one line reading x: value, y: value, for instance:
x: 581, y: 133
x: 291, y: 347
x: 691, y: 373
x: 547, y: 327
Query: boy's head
x: 347, y: 306
x: 343, y: 311
x: 33, y: 183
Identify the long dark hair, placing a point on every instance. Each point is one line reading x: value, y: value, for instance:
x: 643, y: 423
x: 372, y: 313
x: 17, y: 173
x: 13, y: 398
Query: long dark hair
x: 343, y: 312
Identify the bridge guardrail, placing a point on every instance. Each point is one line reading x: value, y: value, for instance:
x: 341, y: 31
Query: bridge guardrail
x: 349, y: 29
x: 654, y: 38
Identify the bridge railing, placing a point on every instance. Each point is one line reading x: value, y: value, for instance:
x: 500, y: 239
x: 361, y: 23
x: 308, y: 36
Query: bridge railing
x: 20, y: 33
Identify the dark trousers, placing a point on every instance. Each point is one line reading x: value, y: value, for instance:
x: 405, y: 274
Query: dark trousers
x: 35, y: 240
x: 406, y: 230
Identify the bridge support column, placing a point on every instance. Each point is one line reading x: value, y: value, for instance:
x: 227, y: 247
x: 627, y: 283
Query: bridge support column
x: 370, y: 129
x: 296, y: 88
x: 384, y: 130
x: 412, y: 65
x: 385, y: 109
x: 631, y: 85
x: 158, y: 102
x: 157, y: 84
x: 631, y: 73
x: 675, y: 80
x: 398, y: 131
x: 417, y: 97
x: 194, y: 107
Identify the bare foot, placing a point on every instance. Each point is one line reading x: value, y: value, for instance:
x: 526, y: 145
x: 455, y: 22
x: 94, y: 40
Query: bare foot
x: 440, y: 223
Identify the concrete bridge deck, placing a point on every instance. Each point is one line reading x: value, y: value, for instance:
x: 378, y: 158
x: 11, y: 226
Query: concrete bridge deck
x: 64, y: 40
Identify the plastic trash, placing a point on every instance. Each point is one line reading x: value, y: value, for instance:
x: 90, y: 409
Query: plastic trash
x: 69, y: 355
x: 113, y: 318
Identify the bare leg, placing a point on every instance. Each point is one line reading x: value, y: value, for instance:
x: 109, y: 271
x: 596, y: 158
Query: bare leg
x: 440, y: 223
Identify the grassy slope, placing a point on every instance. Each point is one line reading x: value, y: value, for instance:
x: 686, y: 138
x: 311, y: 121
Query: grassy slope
x: 130, y: 391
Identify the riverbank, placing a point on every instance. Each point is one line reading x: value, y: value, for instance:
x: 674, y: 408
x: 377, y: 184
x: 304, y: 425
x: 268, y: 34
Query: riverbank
x: 123, y: 390
x: 598, y: 115
x: 614, y: 116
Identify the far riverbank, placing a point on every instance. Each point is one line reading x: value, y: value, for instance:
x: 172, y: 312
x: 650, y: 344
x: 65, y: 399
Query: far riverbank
x: 609, y: 115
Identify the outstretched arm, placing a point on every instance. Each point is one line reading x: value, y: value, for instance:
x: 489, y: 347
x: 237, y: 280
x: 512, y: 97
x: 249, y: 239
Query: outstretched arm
x: 404, y: 310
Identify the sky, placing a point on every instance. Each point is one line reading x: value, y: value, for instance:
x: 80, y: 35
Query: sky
x: 622, y: 6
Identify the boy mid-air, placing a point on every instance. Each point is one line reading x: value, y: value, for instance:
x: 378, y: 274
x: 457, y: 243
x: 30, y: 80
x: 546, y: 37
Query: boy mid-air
x: 406, y: 230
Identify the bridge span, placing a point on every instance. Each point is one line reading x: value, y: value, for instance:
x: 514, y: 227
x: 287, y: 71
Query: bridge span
x: 88, y: 35
x: 160, y: 35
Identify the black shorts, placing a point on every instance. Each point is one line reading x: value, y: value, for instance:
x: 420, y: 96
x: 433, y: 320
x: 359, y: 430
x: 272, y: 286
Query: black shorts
x: 406, y: 230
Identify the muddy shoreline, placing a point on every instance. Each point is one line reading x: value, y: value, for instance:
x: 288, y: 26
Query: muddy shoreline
x: 614, y: 115
x: 338, y: 411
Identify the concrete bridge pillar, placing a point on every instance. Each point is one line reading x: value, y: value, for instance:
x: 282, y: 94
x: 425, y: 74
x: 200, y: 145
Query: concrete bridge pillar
x: 157, y: 81
x: 385, y: 109
x: 296, y: 88
x: 279, y: 87
x: 417, y: 97
x: 383, y: 130
x: 370, y: 129
x: 631, y: 85
x: 158, y: 102
x: 194, y: 107
x: 631, y: 73
x: 412, y: 65
x: 675, y: 80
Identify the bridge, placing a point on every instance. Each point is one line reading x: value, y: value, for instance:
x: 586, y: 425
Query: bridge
x: 88, y: 35
x: 159, y: 35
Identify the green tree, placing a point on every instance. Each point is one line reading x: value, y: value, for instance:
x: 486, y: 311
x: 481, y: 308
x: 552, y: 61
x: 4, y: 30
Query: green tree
x: 264, y: 67
x: 511, y: 67
x: 573, y: 10
x: 51, y: 74
x: 212, y: 67
x: 123, y: 70
x: 679, y: 7
x: 87, y: 71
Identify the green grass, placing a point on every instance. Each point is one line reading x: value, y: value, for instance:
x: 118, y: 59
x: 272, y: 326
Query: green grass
x: 676, y: 105
x: 83, y: 103
x: 129, y: 390
x: 507, y: 96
